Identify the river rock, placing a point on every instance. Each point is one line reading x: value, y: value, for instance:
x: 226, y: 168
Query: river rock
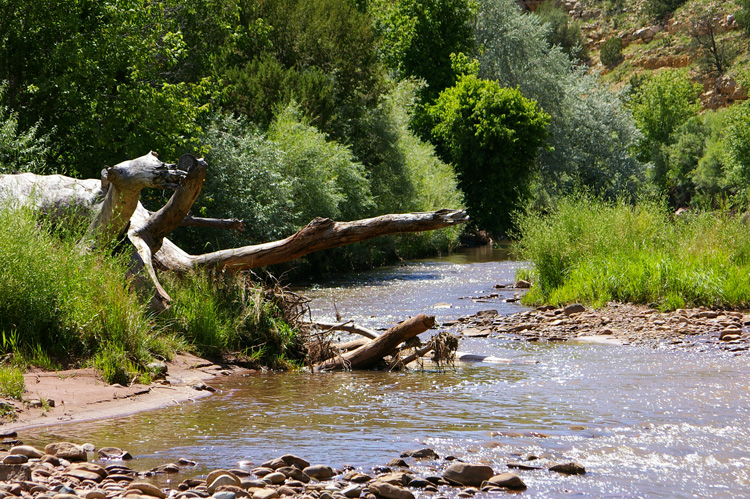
x: 352, y: 491
x: 357, y: 477
x: 507, y: 481
x: 265, y: 494
x: 26, y: 450
x: 66, y: 450
x: 15, y: 472
x: 575, y: 308
x: 275, y: 478
x: 419, y: 483
x: 224, y: 494
x: 148, y: 489
x: 262, y: 471
x: 15, y: 459
x: 216, y: 480
x: 113, y: 453
x: 319, y: 472
x: 94, y: 494
x: 294, y: 473
x: 421, y: 454
x: 569, y: 468
x: 397, y: 463
x: 468, y: 474
x: 388, y: 491
x: 397, y: 478
x: 274, y: 464
x: 292, y: 460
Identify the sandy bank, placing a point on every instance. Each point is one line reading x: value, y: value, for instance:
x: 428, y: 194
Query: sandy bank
x: 80, y: 395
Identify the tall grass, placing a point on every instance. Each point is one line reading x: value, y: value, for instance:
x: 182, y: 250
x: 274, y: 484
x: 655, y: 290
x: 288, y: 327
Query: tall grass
x: 61, y: 306
x: 219, y: 314
x: 595, y: 252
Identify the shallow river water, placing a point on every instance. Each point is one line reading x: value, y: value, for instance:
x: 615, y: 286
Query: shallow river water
x: 644, y: 422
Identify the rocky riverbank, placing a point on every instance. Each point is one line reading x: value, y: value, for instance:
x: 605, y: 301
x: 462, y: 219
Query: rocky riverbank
x: 66, y: 470
x: 617, y: 324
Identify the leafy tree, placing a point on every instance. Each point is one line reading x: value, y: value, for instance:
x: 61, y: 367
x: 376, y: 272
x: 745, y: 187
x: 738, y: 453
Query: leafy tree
x: 20, y: 150
x: 563, y: 31
x: 418, y: 37
x: 661, y: 104
x: 591, y: 133
x: 492, y: 135
x: 611, y: 52
x: 743, y: 15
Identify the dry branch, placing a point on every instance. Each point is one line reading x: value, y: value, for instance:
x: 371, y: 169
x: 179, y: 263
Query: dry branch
x: 371, y: 353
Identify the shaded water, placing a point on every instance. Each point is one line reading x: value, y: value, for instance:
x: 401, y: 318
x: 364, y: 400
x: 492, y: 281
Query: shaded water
x: 645, y: 423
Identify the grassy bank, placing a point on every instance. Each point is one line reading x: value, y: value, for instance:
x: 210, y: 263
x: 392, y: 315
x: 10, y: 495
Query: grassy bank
x: 60, y: 307
x: 595, y: 252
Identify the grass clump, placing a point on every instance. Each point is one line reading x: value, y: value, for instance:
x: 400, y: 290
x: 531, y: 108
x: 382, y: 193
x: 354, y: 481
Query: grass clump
x: 12, y: 384
x: 220, y: 315
x: 595, y: 252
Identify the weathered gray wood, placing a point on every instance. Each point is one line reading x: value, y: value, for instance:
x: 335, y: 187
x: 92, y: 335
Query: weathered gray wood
x: 371, y: 353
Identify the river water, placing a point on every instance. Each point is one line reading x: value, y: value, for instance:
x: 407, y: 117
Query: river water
x: 644, y: 422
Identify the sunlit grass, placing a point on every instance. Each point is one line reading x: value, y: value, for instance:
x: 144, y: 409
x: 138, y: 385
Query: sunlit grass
x: 595, y: 252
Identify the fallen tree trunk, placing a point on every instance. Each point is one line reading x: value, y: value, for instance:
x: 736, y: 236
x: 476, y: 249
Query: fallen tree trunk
x: 346, y: 327
x: 111, y: 204
x: 372, y: 352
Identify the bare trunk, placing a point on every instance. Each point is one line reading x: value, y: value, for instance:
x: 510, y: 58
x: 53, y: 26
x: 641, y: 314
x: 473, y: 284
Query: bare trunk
x: 372, y: 352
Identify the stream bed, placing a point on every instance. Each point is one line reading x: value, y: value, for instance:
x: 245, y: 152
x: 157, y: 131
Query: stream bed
x: 644, y: 422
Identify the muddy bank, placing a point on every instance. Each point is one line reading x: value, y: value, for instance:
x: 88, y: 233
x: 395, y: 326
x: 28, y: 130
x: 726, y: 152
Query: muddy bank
x: 616, y: 324
x: 80, y: 395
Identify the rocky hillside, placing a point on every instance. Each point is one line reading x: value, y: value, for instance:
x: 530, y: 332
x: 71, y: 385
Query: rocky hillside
x: 700, y: 35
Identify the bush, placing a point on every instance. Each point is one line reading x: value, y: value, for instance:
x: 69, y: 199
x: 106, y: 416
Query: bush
x: 562, y: 30
x: 658, y: 10
x: 492, y: 135
x: 611, y: 52
x: 20, y: 151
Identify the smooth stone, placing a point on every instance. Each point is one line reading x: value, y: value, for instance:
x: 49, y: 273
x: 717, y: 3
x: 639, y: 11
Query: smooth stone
x: 91, y: 467
x: 49, y: 458
x: 575, y: 308
x: 262, y: 471
x: 357, y: 477
x: 265, y: 494
x: 15, y: 459
x: 257, y: 484
x: 275, y: 478
x: 397, y: 478
x: 84, y: 475
x: 66, y: 450
x: 522, y: 466
x: 186, y: 462
x: 569, y: 468
x: 352, y: 491
x: 397, y: 463
x: 292, y: 460
x: 294, y: 473
x: 224, y: 494
x: 15, y: 472
x: 26, y: 450
x: 217, y: 473
x: 274, y: 464
x: 214, y: 482
x: 421, y: 454
x: 419, y: 483
x: 388, y: 491
x: 65, y: 496
x: 468, y: 474
x: 113, y: 453
x: 507, y: 481
x: 147, y: 489
x: 319, y: 472
x: 95, y: 494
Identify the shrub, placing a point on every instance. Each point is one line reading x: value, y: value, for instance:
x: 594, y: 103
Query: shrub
x: 611, y: 52
x: 492, y: 135
x: 562, y: 30
x: 12, y: 383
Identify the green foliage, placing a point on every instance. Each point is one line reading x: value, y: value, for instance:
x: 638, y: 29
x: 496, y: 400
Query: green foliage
x: 743, y: 15
x: 660, y: 9
x: 320, y: 53
x: 57, y: 303
x: 737, y: 145
x: 563, y: 31
x: 611, y: 52
x: 219, y: 314
x: 101, y: 79
x: 595, y: 252
x: 12, y: 384
x: 591, y: 133
x: 492, y: 135
x: 661, y: 104
x: 418, y: 37
x: 20, y: 151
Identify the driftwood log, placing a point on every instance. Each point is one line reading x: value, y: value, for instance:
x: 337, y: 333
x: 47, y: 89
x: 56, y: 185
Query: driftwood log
x: 373, y: 351
x: 112, y: 205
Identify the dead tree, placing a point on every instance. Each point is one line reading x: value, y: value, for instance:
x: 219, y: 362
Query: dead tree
x: 112, y: 205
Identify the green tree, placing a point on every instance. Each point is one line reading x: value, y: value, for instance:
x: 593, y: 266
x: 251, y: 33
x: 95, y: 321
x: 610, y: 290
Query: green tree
x: 492, y: 135
x: 563, y: 31
x: 661, y: 104
x: 418, y: 37
x: 611, y: 52
x: 660, y: 9
x: 591, y: 133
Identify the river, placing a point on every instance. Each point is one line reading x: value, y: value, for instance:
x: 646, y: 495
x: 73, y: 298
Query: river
x: 644, y: 422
